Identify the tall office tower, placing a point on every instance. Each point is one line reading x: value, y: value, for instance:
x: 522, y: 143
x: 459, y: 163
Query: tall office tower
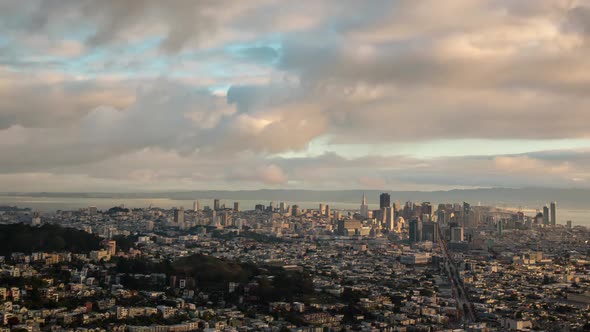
x: 196, y: 206
x: 430, y: 231
x: 296, y: 211
x: 389, y: 218
x: 500, y: 227
x: 179, y: 216
x: 466, y: 214
x: 283, y: 207
x: 328, y: 211
x: 364, y: 207
x: 92, y: 210
x: 271, y: 207
x: 216, y: 206
x: 417, y: 212
x: 321, y: 209
x: 539, y: 218
x: 378, y: 215
x: 225, y: 218
x: 545, y: 215
x: 415, y: 230
x: 441, y: 216
x: 553, y: 213
x: 457, y: 234
x: 237, y: 206
x: 426, y: 208
x: 337, y: 215
x: 408, y: 210
x: 384, y: 201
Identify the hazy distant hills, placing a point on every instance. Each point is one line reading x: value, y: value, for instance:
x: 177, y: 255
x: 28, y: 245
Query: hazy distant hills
x: 529, y: 197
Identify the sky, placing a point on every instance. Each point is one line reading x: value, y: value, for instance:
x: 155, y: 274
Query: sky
x: 150, y: 95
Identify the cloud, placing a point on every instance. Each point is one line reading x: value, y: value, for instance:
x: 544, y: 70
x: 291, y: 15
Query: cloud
x: 236, y: 93
x: 50, y: 99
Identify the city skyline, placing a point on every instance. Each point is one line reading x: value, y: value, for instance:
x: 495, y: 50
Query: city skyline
x: 143, y: 95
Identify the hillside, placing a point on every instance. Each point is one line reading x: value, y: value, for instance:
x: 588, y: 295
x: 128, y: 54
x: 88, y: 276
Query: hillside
x: 47, y: 238
x: 208, y: 269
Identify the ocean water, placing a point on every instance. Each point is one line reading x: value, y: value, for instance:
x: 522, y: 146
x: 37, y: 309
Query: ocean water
x: 52, y: 204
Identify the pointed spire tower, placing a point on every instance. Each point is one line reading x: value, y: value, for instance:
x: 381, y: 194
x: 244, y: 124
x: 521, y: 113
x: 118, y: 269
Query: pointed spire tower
x: 364, y: 207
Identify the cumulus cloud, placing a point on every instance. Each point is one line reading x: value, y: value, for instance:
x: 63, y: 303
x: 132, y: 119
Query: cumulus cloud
x: 222, y: 93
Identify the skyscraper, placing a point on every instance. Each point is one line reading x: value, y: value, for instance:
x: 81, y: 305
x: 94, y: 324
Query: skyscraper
x: 389, y: 218
x: 295, y: 210
x: 430, y: 231
x: 196, y: 206
x: 321, y: 209
x: 179, y: 216
x: 545, y: 215
x: 216, y: 204
x: 553, y: 213
x: 466, y: 214
x: 427, y: 208
x: 237, y: 206
x: 384, y: 201
x: 415, y: 230
x: 457, y: 234
x: 364, y: 207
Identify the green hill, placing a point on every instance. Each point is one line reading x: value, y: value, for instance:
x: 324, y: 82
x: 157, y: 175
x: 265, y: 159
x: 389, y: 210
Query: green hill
x: 208, y: 269
x: 47, y: 238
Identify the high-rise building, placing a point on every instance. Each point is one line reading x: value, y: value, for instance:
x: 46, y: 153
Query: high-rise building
x: 296, y: 211
x: 389, y: 218
x: 545, y: 215
x: 271, y: 207
x: 328, y: 211
x: 216, y: 205
x: 364, y: 207
x: 466, y: 214
x: 337, y: 215
x: 225, y: 218
x: 430, y: 231
x: 407, y: 213
x: 457, y: 234
x: 321, y: 209
x: 283, y: 207
x: 237, y: 206
x: 92, y: 210
x: 553, y: 213
x: 384, y: 201
x: 415, y: 230
x: 196, y: 206
x: 427, y: 208
x: 179, y: 216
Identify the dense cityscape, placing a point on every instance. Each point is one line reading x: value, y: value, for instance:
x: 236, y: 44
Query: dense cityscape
x: 294, y: 166
x: 401, y: 267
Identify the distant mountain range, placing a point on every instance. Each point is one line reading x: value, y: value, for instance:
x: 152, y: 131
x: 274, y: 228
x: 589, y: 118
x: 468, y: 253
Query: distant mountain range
x: 529, y: 197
